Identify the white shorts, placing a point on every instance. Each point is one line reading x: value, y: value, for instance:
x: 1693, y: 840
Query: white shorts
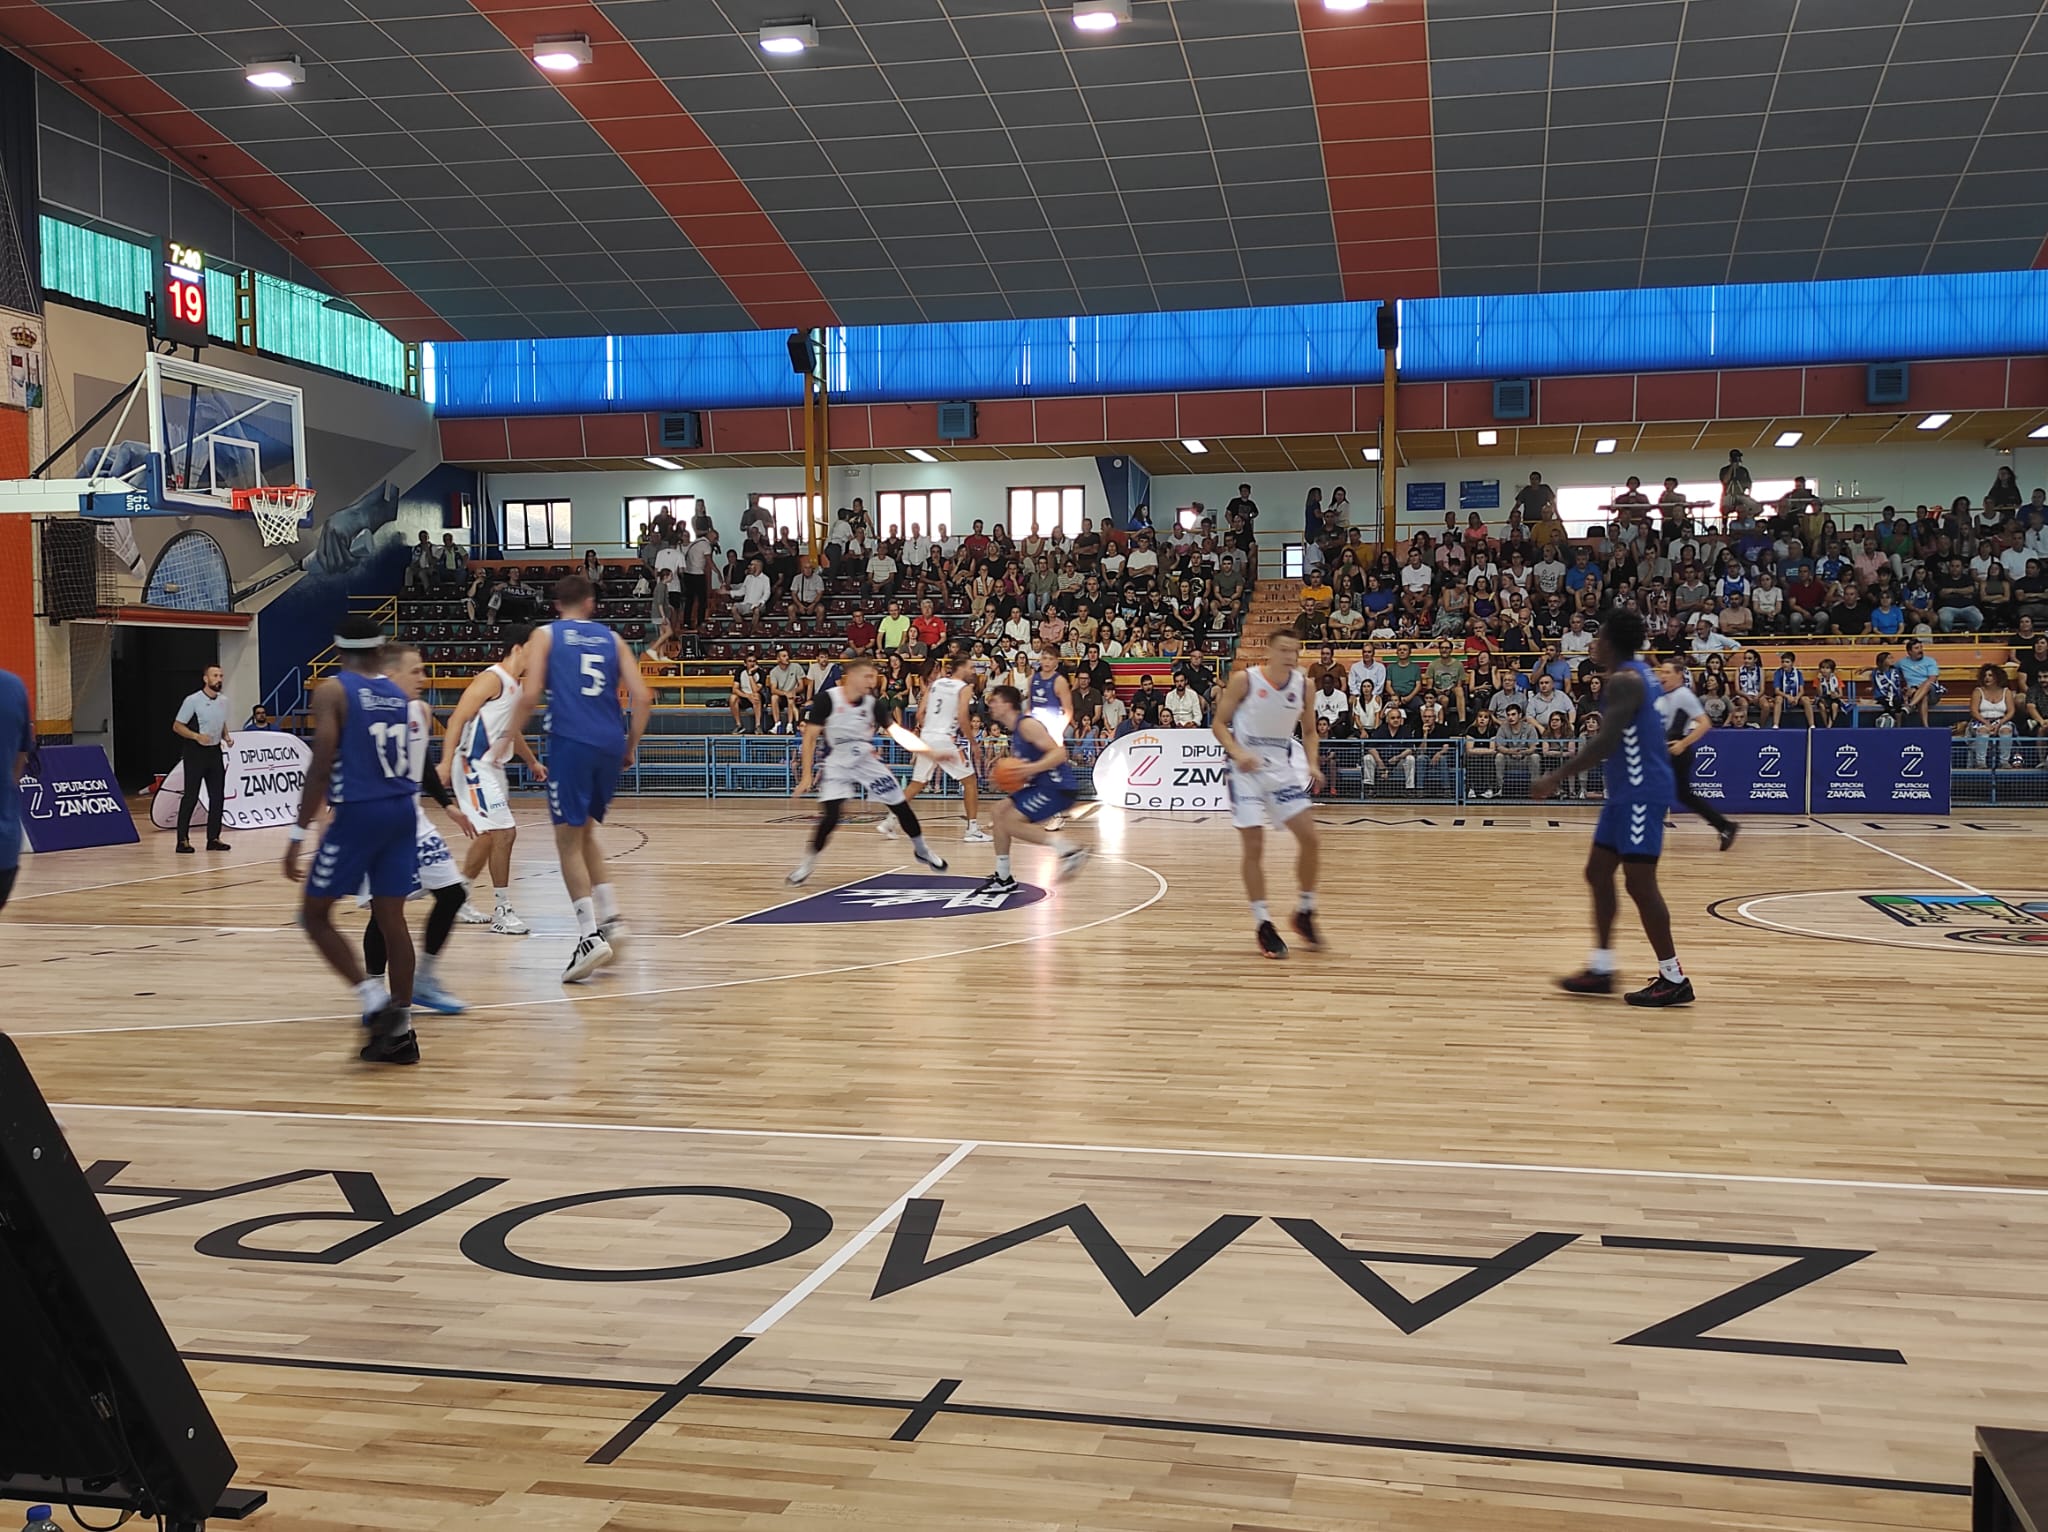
x: 1272, y: 796
x: 482, y: 795
x: 438, y: 867
x: 857, y: 773
x: 957, y: 766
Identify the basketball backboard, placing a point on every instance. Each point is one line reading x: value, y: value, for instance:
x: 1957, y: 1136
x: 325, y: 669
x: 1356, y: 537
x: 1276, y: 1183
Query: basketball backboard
x: 186, y: 438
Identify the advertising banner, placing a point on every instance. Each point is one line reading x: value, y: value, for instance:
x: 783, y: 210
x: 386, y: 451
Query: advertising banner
x: 266, y: 772
x: 1169, y: 770
x: 1880, y: 771
x: 1752, y: 771
x: 72, y: 800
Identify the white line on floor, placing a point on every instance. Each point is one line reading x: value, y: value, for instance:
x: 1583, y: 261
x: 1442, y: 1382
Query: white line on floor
x: 853, y: 1247
x: 1507, y: 1167
x: 1932, y: 872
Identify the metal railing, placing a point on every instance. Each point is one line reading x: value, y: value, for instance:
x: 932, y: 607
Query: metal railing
x: 2005, y: 773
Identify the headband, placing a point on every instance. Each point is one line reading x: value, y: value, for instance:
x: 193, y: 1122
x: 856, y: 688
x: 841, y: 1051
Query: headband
x: 359, y: 643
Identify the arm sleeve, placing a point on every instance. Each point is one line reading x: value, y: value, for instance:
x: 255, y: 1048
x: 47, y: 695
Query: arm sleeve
x: 432, y: 785
x: 821, y: 709
x: 885, y: 714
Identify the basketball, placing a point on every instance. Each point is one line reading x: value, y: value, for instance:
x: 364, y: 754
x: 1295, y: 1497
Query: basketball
x: 1008, y: 774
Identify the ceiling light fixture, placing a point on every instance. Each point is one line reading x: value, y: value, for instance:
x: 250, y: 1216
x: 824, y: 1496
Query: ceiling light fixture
x: 1195, y: 446
x: 1489, y: 438
x: 1791, y: 438
x: 559, y: 55
x: 1935, y: 422
x: 2038, y: 434
x: 787, y: 37
x: 922, y: 456
x: 1100, y: 15
x: 277, y: 74
x: 1372, y: 454
x: 1344, y: 7
x: 1605, y: 445
x: 665, y: 462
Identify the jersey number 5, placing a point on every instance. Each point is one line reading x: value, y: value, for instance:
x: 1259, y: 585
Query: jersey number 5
x: 593, y: 674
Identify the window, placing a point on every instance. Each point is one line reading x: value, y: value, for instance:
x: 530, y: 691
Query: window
x: 788, y: 511
x: 642, y: 509
x: 1578, y: 505
x: 536, y: 523
x: 1046, y: 510
x: 900, y: 510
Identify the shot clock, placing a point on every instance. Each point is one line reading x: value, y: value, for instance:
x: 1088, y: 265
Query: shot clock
x: 181, y: 295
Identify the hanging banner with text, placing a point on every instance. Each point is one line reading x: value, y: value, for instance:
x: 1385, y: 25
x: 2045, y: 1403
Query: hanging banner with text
x: 71, y: 800
x: 1880, y: 771
x: 1751, y: 771
x: 266, y: 772
x: 1167, y: 770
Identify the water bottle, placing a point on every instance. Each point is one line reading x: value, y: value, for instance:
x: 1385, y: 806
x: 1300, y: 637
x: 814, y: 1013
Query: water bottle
x: 39, y: 1520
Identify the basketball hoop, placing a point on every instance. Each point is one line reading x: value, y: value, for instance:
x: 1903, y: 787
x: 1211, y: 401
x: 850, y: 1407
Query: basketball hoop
x: 278, y: 509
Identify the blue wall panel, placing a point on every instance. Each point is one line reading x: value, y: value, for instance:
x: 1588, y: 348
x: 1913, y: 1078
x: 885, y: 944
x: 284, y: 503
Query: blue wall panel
x: 1291, y: 346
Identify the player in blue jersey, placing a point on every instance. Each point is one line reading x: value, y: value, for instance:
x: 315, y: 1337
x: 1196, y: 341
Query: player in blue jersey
x: 1048, y: 790
x: 362, y: 766
x: 1630, y: 834
x: 581, y: 664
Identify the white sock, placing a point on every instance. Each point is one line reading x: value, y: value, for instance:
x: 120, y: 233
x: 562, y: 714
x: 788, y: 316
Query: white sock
x: 423, y: 964
x: 1668, y: 967
x: 404, y: 1023
x: 586, y: 918
x: 1601, y: 960
x: 374, y: 994
x: 1306, y: 904
x: 504, y: 901
x: 607, y: 902
x: 1259, y: 915
x: 1003, y: 866
x: 1058, y: 843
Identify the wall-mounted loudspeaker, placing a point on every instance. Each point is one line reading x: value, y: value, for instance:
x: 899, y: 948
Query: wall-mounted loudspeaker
x: 1389, y: 326
x: 1886, y: 383
x: 1513, y: 399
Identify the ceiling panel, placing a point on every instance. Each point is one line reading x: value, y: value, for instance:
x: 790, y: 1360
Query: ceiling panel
x: 1184, y: 160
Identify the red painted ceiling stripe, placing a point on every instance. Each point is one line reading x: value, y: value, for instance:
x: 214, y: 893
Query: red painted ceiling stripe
x: 101, y: 79
x: 1370, y: 73
x: 634, y: 111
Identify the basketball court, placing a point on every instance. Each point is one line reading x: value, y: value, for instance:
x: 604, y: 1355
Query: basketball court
x: 1118, y: 1224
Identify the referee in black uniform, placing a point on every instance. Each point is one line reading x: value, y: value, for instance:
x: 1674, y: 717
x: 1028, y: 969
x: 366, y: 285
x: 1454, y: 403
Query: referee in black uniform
x: 202, y: 723
x: 1686, y: 724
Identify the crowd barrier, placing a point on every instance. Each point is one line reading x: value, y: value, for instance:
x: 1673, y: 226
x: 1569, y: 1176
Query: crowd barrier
x: 1744, y: 771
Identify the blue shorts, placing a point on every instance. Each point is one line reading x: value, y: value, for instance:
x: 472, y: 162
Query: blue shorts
x: 1038, y: 800
x: 373, y: 845
x: 581, y: 780
x: 1632, y: 831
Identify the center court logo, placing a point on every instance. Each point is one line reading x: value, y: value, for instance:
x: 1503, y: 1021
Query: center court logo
x: 1982, y: 920
x: 898, y: 897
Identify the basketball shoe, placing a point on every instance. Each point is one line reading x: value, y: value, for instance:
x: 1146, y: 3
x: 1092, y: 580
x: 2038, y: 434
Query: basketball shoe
x: 1587, y: 982
x: 1660, y: 992
x: 1270, y: 942
x: 1305, y: 927
x: 591, y: 954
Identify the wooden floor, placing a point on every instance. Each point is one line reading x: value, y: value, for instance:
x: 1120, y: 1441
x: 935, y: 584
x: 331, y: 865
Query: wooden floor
x: 1077, y: 1214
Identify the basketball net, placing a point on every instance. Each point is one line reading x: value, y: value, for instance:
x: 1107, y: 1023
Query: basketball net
x: 278, y: 509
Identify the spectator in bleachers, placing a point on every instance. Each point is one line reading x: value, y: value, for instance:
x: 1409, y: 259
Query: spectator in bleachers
x: 919, y: 566
x: 1182, y: 706
x: 861, y: 634
x: 750, y: 601
x: 786, y: 683
x: 929, y: 627
x: 1115, y: 715
x: 807, y: 591
x: 1957, y: 597
x: 1145, y: 704
x: 1365, y: 710
x: 700, y: 555
x: 515, y: 600
x: 881, y: 573
x: 1921, y: 675
x: 1404, y: 676
x: 1390, y: 749
x: 1994, y: 712
x: 1548, y: 701
x: 419, y: 568
x: 1830, y: 695
x: 1787, y: 689
x: 745, y: 700
x: 894, y: 629
x: 1330, y: 701
x: 1447, y: 676
x: 1366, y: 671
x: 2004, y: 494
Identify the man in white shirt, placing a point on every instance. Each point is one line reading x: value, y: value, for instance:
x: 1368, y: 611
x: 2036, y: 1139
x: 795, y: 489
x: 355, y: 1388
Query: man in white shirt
x: 697, y: 558
x: 1143, y: 563
x: 881, y: 573
x: 1547, y: 702
x: 1113, y: 709
x: 669, y: 563
x: 1332, y: 702
x: 1709, y: 639
x: 1183, y: 707
x: 1549, y: 573
x: 949, y: 545
x: 753, y: 596
x: 1363, y: 669
x: 807, y: 590
x: 917, y: 561
x: 1575, y: 643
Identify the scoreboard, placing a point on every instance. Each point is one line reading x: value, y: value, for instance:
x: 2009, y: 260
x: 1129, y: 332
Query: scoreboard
x: 181, y: 295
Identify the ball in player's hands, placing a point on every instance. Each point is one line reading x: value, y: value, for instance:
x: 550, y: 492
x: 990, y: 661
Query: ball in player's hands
x: 1008, y: 774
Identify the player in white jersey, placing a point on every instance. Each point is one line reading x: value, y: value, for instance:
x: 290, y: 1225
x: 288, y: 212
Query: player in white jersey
x: 1272, y: 776
x: 438, y: 875
x: 945, y: 721
x: 479, y: 722
x: 846, y: 719
x: 1685, y: 725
